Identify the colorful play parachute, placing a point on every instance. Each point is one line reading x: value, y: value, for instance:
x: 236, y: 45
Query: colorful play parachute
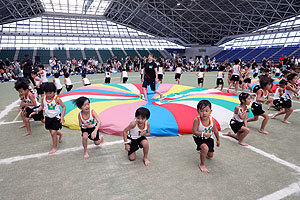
x: 173, y: 115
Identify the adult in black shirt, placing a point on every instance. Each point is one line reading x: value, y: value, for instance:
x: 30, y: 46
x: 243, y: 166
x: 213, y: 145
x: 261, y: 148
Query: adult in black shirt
x: 27, y: 68
x: 149, y: 76
x: 7, y: 62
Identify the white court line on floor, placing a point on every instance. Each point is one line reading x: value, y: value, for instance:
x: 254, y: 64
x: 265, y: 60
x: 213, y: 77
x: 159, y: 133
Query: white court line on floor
x: 59, y: 152
x: 9, y: 108
x: 12, y: 122
x: 285, y: 192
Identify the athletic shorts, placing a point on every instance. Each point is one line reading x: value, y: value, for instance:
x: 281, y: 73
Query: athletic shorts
x: 39, y: 91
x: 150, y: 82
x: 125, y: 79
x: 286, y: 103
x: 200, y: 80
x: 52, y: 123
x: 58, y: 91
x: 177, y: 76
x: 235, y: 78
x: 257, y: 109
x: 247, y: 80
x: 69, y: 87
x: 90, y: 131
x: 235, y: 125
x: 220, y: 81
x: 135, y: 144
x: 201, y: 140
x: 160, y: 76
x: 36, y: 117
x: 107, y: 80
x: 277, y: 102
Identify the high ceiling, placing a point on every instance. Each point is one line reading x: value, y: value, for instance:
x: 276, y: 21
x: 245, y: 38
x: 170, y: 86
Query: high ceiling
x: 201, y: 21
x: 185, y: 21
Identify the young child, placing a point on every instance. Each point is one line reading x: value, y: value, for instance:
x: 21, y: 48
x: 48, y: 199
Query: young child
x: 89, y: 123
x: 238, y: 123
x: 235, y: 78
x: 57, y: 83
x: 42, y: 73
x: 220, y: 78
x: 124, y: 76
x: 278, y: 96
x: 229, y: 69
x: 287, y: 97
x: 38, y: 84
x: 178, y: 72
x: 247, y: 79
x: 53, y: 117
x: 85, y: 80
x: 203, y: 128
x: 68, y: 82
x: 107, y: 76
x: 200, y: 76
x: 142, y: 72
x: 135, y: 135
x: 262, y: 95
x: 160, y: 73
x: 277, y: 71
x: 255, y: 71
x: 28, y: 104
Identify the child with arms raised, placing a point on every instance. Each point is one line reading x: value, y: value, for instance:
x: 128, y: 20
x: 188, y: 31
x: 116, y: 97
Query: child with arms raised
x: 89, y: 123
x: 203, y: 128
x: 135, y: 135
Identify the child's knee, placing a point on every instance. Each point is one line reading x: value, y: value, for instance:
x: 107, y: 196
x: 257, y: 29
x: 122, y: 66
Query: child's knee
x: 145, y: 144
x: 97, y: 142
x: 210, y: 154
x: 53, y: 132
x: 85, y: 136
x: 131, y: 157
x: 204, y: 148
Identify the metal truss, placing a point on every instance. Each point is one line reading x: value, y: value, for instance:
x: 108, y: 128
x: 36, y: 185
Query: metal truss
x: 200, y: 21
x: 15, y: 10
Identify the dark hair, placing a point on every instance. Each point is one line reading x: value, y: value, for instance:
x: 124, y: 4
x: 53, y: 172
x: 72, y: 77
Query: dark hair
x: 41, y: 66
x: 80, y: 101
x: 264, y: 80
x: 56, y: 75
x: 221, y: 68
x: 243, y: 96
x: 236, y: 61
x: 266, y: 70
x: 282, y: 82
x: 143, y: 112
x: 66, y: 75
x: 22, y: 83
x: 49, y: 87
x: 291, y: 76
x: 34, y: 72
x: 152, y: 55
x: 107, y: 69
x: 201, y: 69
x: 123, y: 70
x: 83, y: 75
x: 202, y: 104
x: 285, y: 72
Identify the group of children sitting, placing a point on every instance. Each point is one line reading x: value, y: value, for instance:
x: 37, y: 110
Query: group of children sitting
x: 135, y: 133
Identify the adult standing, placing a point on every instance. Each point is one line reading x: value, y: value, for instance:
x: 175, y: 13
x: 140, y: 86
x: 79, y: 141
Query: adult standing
x: 27, y: 68
x: 149, y: 76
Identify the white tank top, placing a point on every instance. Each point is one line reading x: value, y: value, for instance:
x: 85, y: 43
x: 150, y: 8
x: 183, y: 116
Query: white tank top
x: 277, y: 70
x: 200, y: 74
x: 135, y: 132
x: 288, y: 94
x: 263, y: 97
x: 220, y: 75
x: 160, y: 70
x: 235, y: 70
x: 277, y: 95
x: 68, y: 81
x: 206, y: 129
x: 107, y: 74
x: 125, y: 75
x: 57, y: 83
x: 37, y: 82
x: 178, y: 70
x: 44, y: 77
x: 51, y: 107
x: 91, y: 121
x: 86, y: 81
x: 236, y: 116
x: 28, y: 100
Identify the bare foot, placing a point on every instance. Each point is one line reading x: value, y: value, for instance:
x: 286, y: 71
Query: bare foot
x: 60, y: 137
x: 273, y: 116
x: 22, y: 126
x: 286, y: 121
x: 86, y: 155
x: 101, y: 139
x: 243, y: 143
x: 53, y: 150
x: 26, y: 134
x: 146, y: 162
x: 264, y: 132
x: 227, y: 134
x: 203, y: 169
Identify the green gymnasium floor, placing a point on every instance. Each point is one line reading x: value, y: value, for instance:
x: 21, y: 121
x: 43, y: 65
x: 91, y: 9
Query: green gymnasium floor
x: 269, y: 168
